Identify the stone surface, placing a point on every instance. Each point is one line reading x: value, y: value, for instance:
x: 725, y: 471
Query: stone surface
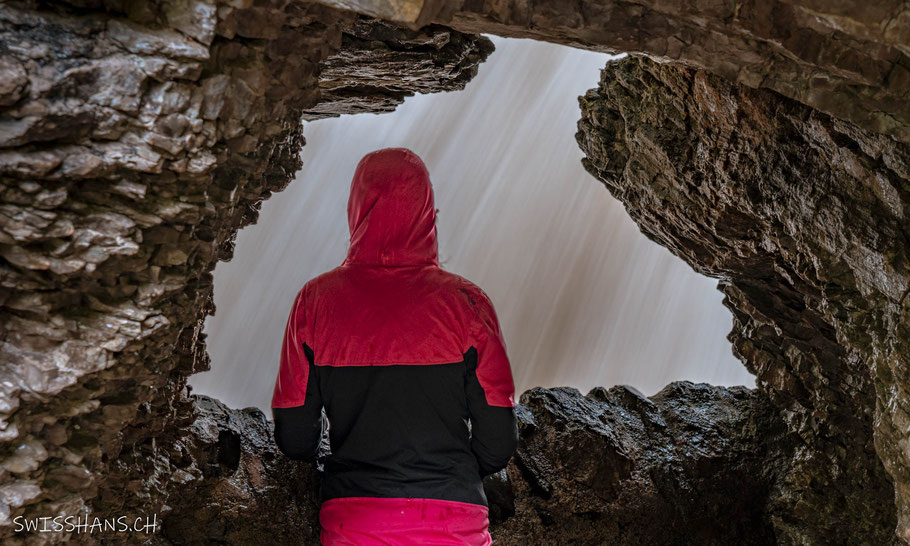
x: 694, y: 464
x: 248, y: 490
x: 802, y: 218
x: 379, y: 64
x: 135, y: 140
x: 849, y: 59
x: 135, y: 144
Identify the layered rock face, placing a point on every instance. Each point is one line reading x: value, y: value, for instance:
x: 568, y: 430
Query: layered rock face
x: 248, y: 489
x: 379, y: 64
x: 134, y: 146
x: 849, y: 59
x: 135, y: 140
x: 694, y: 464
x: 802, y: 218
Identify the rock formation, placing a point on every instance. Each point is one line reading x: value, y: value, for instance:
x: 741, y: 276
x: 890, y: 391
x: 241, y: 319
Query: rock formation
x: 248, y: 488
x: 135, y: 140
x: 380, y: 64
x: 849, y: 59
x: 802, y: 218
x: 694, y: 464
x: 134, y: 146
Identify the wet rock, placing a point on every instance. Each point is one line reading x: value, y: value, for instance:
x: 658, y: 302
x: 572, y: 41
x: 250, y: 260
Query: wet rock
x: 18, y: 493
x: 379, y: 64
x: 693, y: 464
x: 106, y: 137
x: 135, y: 140
x: 13, y: 81
x: 848, y: 59
x: 27, y: 457
x: 800, y: 216
x: 245, y: 489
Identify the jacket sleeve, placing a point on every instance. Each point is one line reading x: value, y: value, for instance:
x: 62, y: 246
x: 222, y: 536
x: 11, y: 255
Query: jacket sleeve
x: 490, y: 389
x: 296, y: 401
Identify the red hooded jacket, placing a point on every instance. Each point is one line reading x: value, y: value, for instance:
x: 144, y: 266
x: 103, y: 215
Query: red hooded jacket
x: 409, y: 364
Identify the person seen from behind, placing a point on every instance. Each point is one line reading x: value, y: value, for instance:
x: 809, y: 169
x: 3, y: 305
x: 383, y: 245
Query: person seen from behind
x: 409, y: 364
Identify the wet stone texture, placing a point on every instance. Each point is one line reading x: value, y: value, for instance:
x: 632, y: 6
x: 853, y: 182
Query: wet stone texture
x: 135, y: 140
x: 379, y: 64
x: 694, y: 464
x: 802, y: 218
x: 848, y: 59
x: 248, y: 490
x: 134, y: 145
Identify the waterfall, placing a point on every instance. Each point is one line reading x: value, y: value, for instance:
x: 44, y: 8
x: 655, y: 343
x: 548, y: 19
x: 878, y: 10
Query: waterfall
x: 583, y: 298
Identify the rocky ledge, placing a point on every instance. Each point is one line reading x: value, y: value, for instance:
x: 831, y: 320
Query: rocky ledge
x: 848, y: 59
x: 693, y: 464
x: 379, y: 64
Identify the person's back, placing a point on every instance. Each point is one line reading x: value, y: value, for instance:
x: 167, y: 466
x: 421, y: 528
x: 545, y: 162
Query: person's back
x: 402, y: 355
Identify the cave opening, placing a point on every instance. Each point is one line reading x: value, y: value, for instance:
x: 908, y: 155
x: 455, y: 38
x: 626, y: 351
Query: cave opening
x: 765, y: 147
x: 585, y: 299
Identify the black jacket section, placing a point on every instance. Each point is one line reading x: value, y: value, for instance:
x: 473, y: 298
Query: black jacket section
x: 298, y: 430
x: 494, y: 429
x: 403, y: 431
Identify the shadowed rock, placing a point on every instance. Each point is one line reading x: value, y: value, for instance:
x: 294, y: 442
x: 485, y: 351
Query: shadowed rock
x: 379, y: 64
x: 135, y: 140
x: 248, y: 489
x: 849, y: 59
x: 802, y: 218
x: 694, y: 464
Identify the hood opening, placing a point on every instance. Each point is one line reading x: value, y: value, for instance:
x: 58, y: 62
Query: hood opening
x: 391, y: 211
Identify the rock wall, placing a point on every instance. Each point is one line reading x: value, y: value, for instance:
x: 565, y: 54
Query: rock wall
x: 849, y: 59
x: 135, y: 140
x: 802, y: 218
x: 134, y: 146
x: 694, y: 464
x: 379, y: 64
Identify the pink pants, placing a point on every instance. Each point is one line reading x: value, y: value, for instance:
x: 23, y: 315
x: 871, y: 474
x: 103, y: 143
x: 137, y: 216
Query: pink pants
x: 369, y: 521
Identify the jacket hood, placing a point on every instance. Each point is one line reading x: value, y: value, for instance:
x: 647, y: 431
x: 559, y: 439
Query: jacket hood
x: 391, y: 212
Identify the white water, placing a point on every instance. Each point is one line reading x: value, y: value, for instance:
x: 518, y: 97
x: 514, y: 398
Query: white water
x: 584, y: 299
